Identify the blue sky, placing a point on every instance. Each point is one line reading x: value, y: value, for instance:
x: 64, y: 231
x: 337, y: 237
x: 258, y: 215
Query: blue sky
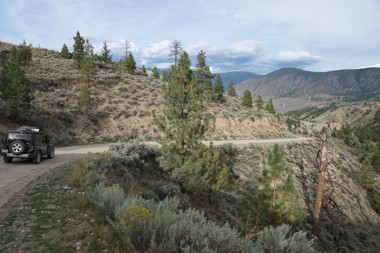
x: 252, y: 35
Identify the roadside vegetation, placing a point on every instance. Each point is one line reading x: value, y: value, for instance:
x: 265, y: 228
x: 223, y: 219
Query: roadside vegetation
x: 184, y: 196
x: 364, y: 142
x: 123, y: 201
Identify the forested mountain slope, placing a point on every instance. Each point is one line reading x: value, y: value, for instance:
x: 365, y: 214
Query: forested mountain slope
x: 291, y: 82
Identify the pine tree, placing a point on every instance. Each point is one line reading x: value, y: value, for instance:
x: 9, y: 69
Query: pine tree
x: 270, y: 107
x: 259, y: 103
x: 183, y: 122
x: 231, y: 89
x: 87, y: 64
x: 143, y: 70
x: 78, y: 52
x: 14, y: 86
x: 65, y: 54
x: 130, y: 64
x: 203, y: 75
x: 218, y: 89
x: 278, y: 166
x: 247, y: 99
x: 105, y: 54
x: 25, y: 53
x: 155, y: 73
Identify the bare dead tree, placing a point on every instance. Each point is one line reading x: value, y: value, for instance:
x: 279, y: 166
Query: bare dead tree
x: 127, y: 47
x: 322, y: 171
x: 175, y: 51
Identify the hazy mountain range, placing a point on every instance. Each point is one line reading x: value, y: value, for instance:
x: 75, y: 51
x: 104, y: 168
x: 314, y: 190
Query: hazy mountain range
x: 292, y: 82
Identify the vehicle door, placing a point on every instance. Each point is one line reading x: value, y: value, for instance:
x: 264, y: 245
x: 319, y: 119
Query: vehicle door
x: 40, y: 144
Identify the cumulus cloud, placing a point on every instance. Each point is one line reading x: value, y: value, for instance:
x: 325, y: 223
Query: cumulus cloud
x: 292, y: 59
x: 250, y: 47
x: 195, y: 48
x: 156, y: 54
x: 245, y: 55
x: 371, y: 66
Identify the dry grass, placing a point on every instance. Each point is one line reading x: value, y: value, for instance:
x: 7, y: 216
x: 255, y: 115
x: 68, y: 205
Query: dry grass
x: 125, y: 103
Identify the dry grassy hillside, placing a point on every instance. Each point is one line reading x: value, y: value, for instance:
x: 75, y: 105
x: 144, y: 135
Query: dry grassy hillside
x: 120, y: 106
x: 356, y: 115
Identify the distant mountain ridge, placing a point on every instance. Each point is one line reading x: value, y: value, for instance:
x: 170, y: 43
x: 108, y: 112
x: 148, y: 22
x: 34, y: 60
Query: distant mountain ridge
x: 227, y: 77
x: 236, y: 77
x: 292, y: 82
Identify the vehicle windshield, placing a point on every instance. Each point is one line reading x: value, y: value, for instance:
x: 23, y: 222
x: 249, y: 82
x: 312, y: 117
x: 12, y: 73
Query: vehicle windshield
x: 17, y: 136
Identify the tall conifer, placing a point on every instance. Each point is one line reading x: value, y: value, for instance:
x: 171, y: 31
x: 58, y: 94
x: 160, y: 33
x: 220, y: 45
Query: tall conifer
x: 231, y: 89
x: 203, y: 75
x: 247, y: 99
x: 14, y: 86
x: 105, y: 55
x: 218, y: 89
x: 183, y: 122
x: 78, y: 52
x: 270, y: 107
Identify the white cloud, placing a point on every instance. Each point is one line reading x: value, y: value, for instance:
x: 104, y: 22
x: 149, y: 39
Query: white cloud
x: 294, y: 57
x: 371, y: 66
x: 195, y: 48
x: 247, y: 47
x: 157, y: 49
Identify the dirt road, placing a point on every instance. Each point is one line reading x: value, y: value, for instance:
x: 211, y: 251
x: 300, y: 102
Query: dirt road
x: 14, y: 177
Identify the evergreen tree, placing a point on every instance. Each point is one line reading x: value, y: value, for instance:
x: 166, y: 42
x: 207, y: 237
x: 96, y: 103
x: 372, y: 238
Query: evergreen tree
x: 14, y: 86
x: 183, y: 122
x: 155, y: 73
x: 143, y: 70
x: 278, y: 166
x: 78, y: 52
x: 25, y: 53
x: 130, y: 64
x: 259, y: 103
x: 4, y: 56
x: 247, y: 99
x: 218, y: 89
x: 203, y: 75
x: 231, y: 89
x: 87, y: 64
x: 105, y: 54
x: 270, y: 107
x: 65, y: 54
x: 85, y: 96
x: 276, y: 200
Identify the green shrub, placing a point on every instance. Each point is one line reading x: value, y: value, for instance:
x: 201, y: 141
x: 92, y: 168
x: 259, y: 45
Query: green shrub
x: 107, y: 198
x: 92, y: 178
x: 131, y: 157
x: 279, y: 240
x: 158, y: 227
x: 376, y: 202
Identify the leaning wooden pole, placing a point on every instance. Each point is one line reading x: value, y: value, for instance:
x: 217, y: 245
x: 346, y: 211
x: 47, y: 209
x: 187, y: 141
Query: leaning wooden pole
x: 322, y: 170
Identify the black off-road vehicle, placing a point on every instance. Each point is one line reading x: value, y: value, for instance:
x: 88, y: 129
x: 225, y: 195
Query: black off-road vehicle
x: 28, y: 143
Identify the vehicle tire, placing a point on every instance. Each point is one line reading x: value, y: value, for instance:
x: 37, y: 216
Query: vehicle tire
x: 17, y: 147
x: 37, y: 158
x: 51, y: 154
x: 8, y: 159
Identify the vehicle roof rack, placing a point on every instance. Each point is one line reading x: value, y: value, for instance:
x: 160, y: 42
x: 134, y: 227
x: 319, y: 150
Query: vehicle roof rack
x: 29, y: 129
